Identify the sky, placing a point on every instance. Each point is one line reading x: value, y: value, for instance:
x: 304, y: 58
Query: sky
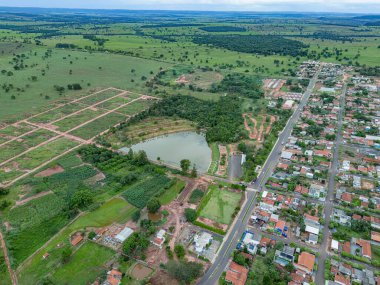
x: 351, y: 6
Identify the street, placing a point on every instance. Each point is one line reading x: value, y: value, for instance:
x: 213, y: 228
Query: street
x: 234, y: 234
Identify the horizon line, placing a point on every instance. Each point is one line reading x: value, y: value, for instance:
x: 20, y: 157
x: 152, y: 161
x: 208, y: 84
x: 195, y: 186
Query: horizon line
x: 189, y: 10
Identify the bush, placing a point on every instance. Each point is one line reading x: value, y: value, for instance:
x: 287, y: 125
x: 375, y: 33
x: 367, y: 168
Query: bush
x: 191, y: 215
x: 153, y: 205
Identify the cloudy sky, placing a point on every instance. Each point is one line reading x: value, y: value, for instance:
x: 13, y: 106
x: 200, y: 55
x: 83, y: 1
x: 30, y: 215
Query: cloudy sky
x: 356, y: 6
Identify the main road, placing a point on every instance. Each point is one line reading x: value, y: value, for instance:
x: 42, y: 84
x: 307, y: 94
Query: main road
x: 232, y: 237
x: 323, y: 254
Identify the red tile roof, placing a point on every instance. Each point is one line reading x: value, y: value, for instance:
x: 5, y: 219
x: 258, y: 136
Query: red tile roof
x: 306, y: 260
x: 236, y: 274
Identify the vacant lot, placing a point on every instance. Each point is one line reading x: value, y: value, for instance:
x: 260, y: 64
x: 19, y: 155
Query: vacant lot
x: 220, y: 205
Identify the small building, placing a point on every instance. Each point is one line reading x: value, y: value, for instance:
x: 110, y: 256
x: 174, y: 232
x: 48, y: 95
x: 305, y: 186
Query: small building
x: 46, y: 255
x: 159, y: 239
x: 124, y: 234
x: 334, y: 245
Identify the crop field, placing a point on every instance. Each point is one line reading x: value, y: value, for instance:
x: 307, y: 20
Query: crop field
x: 32, y: 224
x: 153, y: 187
x: 220, y: 205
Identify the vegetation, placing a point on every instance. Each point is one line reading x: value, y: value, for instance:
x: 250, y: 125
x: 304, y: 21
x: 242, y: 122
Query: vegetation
x: 184, y: 271
x: 266, y: 45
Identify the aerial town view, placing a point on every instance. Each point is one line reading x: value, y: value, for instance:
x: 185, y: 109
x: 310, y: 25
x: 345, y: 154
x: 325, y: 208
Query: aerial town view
x: 190, y: 142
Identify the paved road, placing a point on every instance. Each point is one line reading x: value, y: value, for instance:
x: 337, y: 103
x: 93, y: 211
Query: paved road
x: 231, y: 239
x: 323, y: 254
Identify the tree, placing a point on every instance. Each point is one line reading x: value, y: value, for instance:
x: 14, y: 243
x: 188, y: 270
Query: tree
x: 190, y: 214
x: 66, y: 254
x: 141, y: 158
x: 136, y: 216
x: 185, y: 164
x: 194, y: 173
x: 4, y: 191
x: 184, y: 271
x: 153, y: 205
x: 91, y: 235
x: 82, y: 198
x: 179, y: 251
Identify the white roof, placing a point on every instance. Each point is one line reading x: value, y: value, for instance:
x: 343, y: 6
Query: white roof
x: 265, y: 193
x: 124, y: 234
x: 334, y: 244
x: 312, y: 230
x: 161, y: 233
x: 286, y: 155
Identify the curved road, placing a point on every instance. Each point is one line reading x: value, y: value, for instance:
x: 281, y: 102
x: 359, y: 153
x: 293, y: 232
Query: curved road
x: 234, y: 234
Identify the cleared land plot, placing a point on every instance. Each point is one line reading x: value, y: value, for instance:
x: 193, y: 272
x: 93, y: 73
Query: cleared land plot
x: 98, y: 97
x: 220, y: 206
x: 56, y: 114
x: 42, y: 154
x: 215, y: 159
x: 94, y: 128
x: 77, y: 119
x: 85, y: 265
x: 15, y: 130
x: 114, y: 103
x: 135, y: 107
x: 13, y: 148
x: 34, y: 158
x: 115, y: 210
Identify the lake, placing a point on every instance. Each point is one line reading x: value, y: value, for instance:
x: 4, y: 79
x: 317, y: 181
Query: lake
x: 172, y: 148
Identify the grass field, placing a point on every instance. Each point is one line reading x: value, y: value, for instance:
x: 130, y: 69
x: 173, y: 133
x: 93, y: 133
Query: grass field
x: 85, y: 265
x: 220, y: 205
x: 115, y: 70
x: 215, y: 159
x: 77, y: 119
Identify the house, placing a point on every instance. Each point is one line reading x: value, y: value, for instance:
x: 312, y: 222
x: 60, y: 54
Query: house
x: 375, y: 238
x: 340, y: 217
x: 201, y: 241
x: 159, y: 239
x: 305, y: 262
x: 236, y: 274
x: 123, y: 235
x: 250, y: 242
x: 113, y: 277
x: 46, y: 255
x: 75, y: 240
x: 285, y: 256
x: 341, y: 279
x: 358, y: 247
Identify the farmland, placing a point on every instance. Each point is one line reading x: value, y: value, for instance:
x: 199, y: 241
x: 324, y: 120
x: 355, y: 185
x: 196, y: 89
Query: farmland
x: 152, y: 187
